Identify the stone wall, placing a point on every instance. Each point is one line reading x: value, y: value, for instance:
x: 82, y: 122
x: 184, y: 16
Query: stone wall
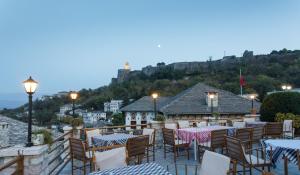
x: 4, y: 138
x: 35, y: 158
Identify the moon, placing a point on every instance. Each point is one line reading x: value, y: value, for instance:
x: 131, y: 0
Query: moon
x: 159, y: 46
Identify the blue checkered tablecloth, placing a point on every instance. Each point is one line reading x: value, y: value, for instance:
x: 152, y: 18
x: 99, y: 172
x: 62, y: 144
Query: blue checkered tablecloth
x: 111, y: 139
x: 282, y: 147
x: 143, y: 169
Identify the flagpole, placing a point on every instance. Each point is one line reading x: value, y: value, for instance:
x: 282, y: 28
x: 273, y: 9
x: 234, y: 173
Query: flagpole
x: 240, y: 83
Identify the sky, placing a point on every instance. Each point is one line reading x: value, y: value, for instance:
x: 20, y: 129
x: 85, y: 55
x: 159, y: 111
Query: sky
x: 73, y: 44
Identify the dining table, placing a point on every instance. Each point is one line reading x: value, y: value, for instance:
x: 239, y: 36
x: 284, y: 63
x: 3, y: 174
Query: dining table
x: 200, y: 135
x: 111, y: 139
x: 142, y: 169
x: 282, y: 147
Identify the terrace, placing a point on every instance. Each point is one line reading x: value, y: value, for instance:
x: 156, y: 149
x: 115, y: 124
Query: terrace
x: 58, y: 157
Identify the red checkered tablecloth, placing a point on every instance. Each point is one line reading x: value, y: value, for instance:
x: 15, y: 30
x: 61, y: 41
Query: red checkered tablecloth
x: 202, y: 134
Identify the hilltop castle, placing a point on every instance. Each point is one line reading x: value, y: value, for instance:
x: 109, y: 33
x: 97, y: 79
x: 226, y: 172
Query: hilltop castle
x: 123, y: 74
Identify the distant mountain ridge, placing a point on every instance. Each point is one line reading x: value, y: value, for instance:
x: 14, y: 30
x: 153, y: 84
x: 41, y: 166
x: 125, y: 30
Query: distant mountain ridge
x: 262, y: 73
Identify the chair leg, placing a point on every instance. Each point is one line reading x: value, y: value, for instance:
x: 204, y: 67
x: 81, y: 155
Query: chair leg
x: 147, y: 154
x: 188, y: 152
x: 250, y: 170
x: 153, y: 152
x: 84, y: 168
x: 174, y: 150
x: 164, y: 151
x: 72, y: 164
x: 244, y: 169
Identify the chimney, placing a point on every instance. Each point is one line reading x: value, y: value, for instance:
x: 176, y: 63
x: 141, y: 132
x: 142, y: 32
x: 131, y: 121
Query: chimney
x: 4, y: 138
x: 212, y: 99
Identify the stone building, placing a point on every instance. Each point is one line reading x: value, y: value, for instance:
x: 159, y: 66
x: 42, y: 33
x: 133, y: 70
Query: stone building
x: 191, y: 104
x: 4, y: 138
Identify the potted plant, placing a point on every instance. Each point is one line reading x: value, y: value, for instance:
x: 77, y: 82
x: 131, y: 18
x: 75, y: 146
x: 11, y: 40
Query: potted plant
x: 41, y: 137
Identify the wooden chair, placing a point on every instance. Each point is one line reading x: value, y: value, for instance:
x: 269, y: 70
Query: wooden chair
x: 257, y: 134
x: 217, y: 141
x: 173, y: 144
x: 151, y: 144
x: 78, y: 152
x: 236, y: 151
x: 245, y: 135
x: 135, y: 148
x: 274, y: 130
x: 288, y: 130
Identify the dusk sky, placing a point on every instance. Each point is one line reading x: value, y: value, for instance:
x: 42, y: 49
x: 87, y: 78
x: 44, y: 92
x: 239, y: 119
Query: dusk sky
x: 69, y: 45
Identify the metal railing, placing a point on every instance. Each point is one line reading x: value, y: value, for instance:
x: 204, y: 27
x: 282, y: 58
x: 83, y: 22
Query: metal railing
x: 14, y: 167
x: 59, y: 153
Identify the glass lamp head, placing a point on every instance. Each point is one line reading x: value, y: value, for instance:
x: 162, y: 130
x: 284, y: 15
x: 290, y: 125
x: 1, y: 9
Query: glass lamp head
x: 30, y: 85
x: 73, y: 95
x: 154, y: 95
x: 252, y: 96
x: 284, y: 87
x: 288, y: 87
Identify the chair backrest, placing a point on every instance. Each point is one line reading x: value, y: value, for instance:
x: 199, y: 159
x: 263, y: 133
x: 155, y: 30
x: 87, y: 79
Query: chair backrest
x: 171, y: 125
x: 91, y: 133
x: 244, y: 134
x: 273, y: 129
x: 201, y: 124
x: 114, y: 158
x: 218, y: 138
x: 183, y: 124
x: 136, y: 146
x: 77, y: 149
x: 249, y: 119
x: 168, y: 136
x: 214, y: 163
x: 257, y: 133
x: 239, y: 124
x: 288, y: 125
x: 151, y: 133
x: 235, y: 149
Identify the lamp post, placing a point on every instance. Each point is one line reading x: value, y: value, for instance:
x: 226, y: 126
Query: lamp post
x: 286, y: 87
x: 73, y: 96
x: 252, y: 97
x: 211, y: 97
x: 154, y: 96
x: 30, y: 87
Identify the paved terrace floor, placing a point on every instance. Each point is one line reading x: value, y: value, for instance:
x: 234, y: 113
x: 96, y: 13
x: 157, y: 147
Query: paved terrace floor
x: 182, y: 160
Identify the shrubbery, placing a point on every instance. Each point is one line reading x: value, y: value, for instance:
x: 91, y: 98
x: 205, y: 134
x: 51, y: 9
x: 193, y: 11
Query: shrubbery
x: 283, y: 102
x: 280, y: 117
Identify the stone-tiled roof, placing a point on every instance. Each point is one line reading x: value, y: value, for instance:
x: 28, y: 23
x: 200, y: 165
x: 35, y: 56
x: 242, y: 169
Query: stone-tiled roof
x: 145, y: 104
x: 193, y: 101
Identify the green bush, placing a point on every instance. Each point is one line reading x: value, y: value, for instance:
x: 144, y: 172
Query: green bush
x: 118, y: 119
x: 74, y: 122
x: 280, y: 117
x: 281, y: 102
x: 159, y: 117
x: 47, y: 135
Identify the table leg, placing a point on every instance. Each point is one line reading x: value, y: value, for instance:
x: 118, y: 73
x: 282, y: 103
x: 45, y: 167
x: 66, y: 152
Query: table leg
x: 195, y: 149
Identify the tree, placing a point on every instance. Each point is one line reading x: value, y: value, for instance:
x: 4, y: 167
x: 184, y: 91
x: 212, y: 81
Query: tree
x: 118, y: 119
x: 281, y: 102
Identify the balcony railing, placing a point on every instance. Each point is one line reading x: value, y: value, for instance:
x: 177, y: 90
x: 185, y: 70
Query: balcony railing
x: 59, y: 153
x: 15, y: 166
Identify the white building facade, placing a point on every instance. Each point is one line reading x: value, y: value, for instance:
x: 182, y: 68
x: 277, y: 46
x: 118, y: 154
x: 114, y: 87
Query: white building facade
x: 113, y: 106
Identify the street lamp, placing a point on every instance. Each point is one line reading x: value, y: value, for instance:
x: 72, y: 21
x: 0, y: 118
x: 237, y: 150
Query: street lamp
x: 211, y: 96
x: 252, y: 97
x: 286, y: 87
x: 154, y: 96
x: 30, y: 87
x: 73, y: 96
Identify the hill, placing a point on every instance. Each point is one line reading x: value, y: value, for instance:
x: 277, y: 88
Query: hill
x: 263, y: 73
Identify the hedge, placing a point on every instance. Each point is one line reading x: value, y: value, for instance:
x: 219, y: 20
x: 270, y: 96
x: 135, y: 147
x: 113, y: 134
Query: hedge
x: 280, y: 102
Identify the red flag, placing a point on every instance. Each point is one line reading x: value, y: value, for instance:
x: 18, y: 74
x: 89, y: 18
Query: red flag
x: 242, y: 79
